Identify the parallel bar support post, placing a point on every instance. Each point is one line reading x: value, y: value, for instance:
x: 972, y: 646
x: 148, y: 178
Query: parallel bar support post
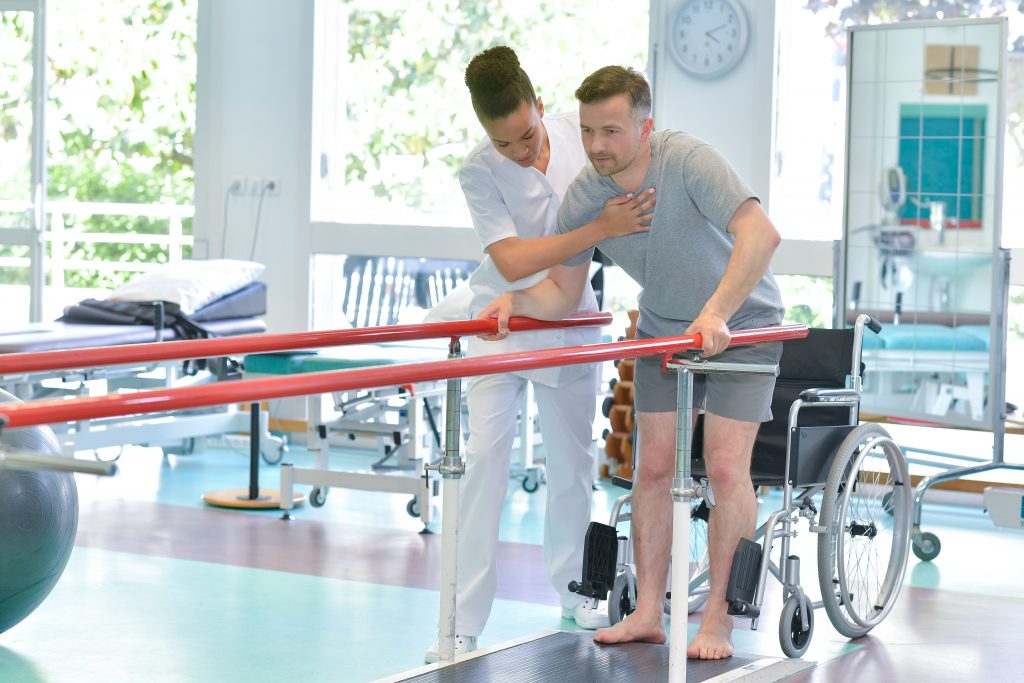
x: 682, y: 497
x: 451, y: 469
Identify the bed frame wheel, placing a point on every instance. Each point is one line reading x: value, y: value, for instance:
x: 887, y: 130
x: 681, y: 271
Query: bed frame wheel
x: 318, y: 496
x: 272, y: 449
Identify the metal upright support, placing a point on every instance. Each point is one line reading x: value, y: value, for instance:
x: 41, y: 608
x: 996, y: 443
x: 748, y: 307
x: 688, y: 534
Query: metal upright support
x: 685, y: 490
x: 451, y: 469
x: 682, y: 497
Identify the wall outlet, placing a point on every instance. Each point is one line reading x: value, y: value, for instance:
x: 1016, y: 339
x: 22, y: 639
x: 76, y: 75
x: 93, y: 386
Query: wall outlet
x: 253, y: 186
x: 271, y: 185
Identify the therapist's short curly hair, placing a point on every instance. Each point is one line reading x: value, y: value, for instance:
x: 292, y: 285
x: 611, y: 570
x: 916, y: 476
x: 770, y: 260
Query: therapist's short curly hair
x: 610, y: 81
x: 497, y: 84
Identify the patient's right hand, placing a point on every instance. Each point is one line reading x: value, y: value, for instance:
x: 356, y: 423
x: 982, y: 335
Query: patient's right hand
x: 627, y: 214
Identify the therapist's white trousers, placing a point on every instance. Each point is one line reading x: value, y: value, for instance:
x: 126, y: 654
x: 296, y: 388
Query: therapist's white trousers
x: 566, y: 417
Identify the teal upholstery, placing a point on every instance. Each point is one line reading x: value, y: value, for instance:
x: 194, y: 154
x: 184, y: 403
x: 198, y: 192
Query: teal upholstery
x: 930, y: 337
x: 341, y: 358
x: 982, y: 332
x: 872, y: 340
x: 276, y: 363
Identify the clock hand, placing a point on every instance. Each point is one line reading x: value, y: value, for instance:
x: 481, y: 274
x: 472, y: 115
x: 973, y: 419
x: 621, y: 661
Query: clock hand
x: 709, y: 32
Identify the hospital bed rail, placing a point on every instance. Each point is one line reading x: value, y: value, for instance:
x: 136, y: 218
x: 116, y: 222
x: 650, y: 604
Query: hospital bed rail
x: 451, y: 467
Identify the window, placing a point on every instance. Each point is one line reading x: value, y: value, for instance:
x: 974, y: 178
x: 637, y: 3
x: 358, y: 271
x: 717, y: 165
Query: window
x: 809, y: 155
x: 393, y: 120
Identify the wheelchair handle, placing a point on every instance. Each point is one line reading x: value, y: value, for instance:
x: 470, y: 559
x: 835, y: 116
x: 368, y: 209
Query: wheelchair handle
x: 873, y: 325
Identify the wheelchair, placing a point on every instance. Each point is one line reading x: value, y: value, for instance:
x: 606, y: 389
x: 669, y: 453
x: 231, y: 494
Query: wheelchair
x: 813, y: 445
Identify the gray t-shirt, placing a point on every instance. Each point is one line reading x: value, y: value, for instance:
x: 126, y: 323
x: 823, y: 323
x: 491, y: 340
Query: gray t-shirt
x: 680, y: 262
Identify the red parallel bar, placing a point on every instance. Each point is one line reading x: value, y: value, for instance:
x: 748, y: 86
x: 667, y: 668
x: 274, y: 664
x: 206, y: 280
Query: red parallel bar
x: 247, y: 391
x: 92, y: 357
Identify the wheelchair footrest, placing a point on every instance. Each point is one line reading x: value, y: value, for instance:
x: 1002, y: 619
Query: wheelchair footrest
x: 623, y: 483
x: 746, y: 567
x: 600, y: 554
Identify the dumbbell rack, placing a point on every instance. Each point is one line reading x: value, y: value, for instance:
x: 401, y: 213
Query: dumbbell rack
x: 618, y: 408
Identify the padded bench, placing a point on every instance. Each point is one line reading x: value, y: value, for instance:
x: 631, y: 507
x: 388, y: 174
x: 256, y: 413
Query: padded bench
x: 956, y: 357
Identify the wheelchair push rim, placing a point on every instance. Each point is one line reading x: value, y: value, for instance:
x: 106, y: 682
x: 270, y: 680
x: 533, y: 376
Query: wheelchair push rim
x: 862, y: 553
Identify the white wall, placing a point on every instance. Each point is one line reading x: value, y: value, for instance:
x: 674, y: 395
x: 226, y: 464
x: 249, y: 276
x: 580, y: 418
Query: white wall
x: 734, y: 113
x: 253, y: 120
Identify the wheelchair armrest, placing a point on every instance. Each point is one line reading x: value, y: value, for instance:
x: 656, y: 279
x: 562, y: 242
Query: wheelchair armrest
x: 830, y: 396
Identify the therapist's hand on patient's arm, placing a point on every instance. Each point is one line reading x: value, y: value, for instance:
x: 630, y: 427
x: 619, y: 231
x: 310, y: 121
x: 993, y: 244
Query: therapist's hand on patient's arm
x: 627, y: 214
x: 500, y: 308
x: 553, y: 298
x: 713, y: 330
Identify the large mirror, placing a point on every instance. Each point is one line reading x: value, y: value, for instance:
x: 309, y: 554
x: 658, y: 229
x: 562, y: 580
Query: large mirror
x: 922, y: 216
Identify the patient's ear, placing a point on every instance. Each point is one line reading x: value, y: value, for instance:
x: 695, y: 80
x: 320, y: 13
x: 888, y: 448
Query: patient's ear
x: 646, y: 128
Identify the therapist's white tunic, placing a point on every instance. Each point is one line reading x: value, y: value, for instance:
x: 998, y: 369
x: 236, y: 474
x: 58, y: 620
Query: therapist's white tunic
x: 507, y: 200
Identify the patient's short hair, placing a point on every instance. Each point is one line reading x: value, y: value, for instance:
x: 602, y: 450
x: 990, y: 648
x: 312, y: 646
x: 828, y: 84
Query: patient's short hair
x: 497, y: 84
x: 610, y: 81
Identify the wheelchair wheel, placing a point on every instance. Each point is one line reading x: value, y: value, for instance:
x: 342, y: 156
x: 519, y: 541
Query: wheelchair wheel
x: 622, y: 599
x: 862, y: 553
x: 699, y: 558
x: 792, y: 637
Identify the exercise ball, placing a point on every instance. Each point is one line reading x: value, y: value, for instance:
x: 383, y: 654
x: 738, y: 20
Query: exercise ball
x: 38, y: 522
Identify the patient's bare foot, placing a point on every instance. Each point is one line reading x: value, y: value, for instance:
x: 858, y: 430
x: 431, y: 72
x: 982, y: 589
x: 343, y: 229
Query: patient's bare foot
x: 637, y: 627
x: 713, y: 640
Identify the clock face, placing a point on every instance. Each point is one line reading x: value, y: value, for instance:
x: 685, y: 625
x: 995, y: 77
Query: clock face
x: 708, y: 37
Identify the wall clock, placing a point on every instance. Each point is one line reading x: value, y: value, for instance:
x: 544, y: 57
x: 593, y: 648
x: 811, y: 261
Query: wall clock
x: 707, y: 38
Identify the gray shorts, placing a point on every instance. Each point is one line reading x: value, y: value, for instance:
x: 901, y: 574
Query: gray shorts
x: 739, y: 396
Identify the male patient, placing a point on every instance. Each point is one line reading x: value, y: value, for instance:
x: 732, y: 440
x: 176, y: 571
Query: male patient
x: 703, y: 268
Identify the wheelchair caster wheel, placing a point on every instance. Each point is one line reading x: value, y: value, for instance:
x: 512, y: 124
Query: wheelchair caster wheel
x: 413, y: 507
x: 317, y: 497
x: 928, y: 547
x: 622, y: 599
x: 792, y: 637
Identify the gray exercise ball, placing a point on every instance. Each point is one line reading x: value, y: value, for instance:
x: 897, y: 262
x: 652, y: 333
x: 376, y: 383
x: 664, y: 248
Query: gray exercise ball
x: 38, y: 522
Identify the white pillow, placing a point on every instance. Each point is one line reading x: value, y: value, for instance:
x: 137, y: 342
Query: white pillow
x: 190, y: 284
